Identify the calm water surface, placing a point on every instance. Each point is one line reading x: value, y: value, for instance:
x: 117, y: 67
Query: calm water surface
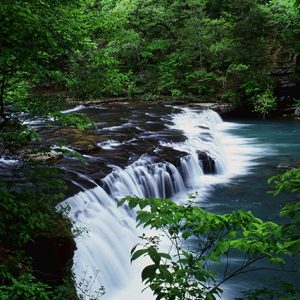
x: 281, y: 142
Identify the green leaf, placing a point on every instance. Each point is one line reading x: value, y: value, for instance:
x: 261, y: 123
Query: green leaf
x: 166, y: 274
x: 138, y: 253
x: 154, y: 255
x: 121, y: 202
x: 232, y: 234
x: 149, y: 273
x: 214, y: 257
x: 165, y: 255
x: 201, y: 276
x: 210, y: 297
x: 133, y: 202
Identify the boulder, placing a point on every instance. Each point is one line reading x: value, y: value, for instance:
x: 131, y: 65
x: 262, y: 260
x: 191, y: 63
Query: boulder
x: 170, y: 155
x: 208, y: 163
x: 44, y: 156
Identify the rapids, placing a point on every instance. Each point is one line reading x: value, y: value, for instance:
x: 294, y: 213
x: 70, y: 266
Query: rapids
x: 208, y: 156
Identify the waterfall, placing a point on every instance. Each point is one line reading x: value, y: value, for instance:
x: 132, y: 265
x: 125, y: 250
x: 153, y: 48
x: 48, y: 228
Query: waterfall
x: 145, y: 178
x: 103, y: 255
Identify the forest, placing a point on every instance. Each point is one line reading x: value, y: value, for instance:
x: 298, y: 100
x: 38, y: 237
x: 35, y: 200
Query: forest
x: 106, y: 100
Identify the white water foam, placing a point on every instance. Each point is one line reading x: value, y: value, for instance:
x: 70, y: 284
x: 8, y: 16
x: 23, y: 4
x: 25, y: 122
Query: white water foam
x: 110, y: 144
x: 74, y: 109
x: 10, y: 162
x: 105, y: 252
x: 234, y: 155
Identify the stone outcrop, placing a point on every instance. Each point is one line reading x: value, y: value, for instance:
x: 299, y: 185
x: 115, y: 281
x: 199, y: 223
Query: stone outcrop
x: 44, y: 156
x: 219, y: 107
x: 170, y: 155
x: 287, y: 85
x: 208, y: 163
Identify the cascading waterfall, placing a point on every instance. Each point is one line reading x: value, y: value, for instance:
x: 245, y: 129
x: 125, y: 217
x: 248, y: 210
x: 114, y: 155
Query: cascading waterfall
x: 103, y: 255
x: 145, y: 178
x: 203, y: 135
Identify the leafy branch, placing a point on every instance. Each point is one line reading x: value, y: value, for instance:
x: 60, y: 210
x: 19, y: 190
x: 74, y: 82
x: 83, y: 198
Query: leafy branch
x: 197, y: 238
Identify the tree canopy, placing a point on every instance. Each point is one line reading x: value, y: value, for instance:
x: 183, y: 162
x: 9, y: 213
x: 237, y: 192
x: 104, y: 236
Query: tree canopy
x: 221, y: 50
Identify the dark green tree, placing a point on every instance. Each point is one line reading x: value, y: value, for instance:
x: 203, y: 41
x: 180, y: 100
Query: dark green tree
x: 37, y: 40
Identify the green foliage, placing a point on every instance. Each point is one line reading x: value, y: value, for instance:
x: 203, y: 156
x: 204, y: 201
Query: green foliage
x: 15, y: 136
x: 169, y: 72
x: 127, y: 48
x: 264, y: 103
x: 289, y: 181
x: 286, y: 182
x: 162, y: 46
x: 27, y: 210
x: 25, y: 287
x: 237, y: 68
x: 283, y: 20
x: 18, y: 94
x: 251, y: 88
x: 230, y: 96
x: 197, y: 238
x: 284, y: 291
x: 18, y: 222
x: 38, y: 43
x: 78, y: 120
x: 33, y: 38
x: 201, y: 82
x: 33, y: 107
x: 101, y: 77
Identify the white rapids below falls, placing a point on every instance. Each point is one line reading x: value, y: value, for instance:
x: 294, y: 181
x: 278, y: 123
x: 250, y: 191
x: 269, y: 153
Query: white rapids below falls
x: 103, y: 254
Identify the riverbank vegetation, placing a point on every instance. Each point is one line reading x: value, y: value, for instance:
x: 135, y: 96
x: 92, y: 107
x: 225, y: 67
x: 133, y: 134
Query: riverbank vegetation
x: 238, y: 52
x: 203, y: 245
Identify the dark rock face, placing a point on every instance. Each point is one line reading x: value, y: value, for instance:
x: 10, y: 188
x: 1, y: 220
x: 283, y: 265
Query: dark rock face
x: 170, y: 155
x: 287, y: 89
x: 51, y: 257
x: 287, y: 86
x: 219, y: 107
x: 208, y: 163
x: 244, y: 110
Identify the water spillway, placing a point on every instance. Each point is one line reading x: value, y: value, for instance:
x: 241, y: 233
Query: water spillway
x: 172, y: 153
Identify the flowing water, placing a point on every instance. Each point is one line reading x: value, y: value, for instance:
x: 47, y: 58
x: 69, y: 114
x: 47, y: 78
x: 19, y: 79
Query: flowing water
x: 281, y: 141
x: 152, y: 151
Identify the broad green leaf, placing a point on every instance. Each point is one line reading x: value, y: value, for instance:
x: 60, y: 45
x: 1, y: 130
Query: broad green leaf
x: 136, y: 254
x: 149, y: 273
x: 154, y: 255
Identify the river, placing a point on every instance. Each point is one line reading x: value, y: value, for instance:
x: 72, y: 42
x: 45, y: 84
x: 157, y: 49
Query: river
x: 164, y: 151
